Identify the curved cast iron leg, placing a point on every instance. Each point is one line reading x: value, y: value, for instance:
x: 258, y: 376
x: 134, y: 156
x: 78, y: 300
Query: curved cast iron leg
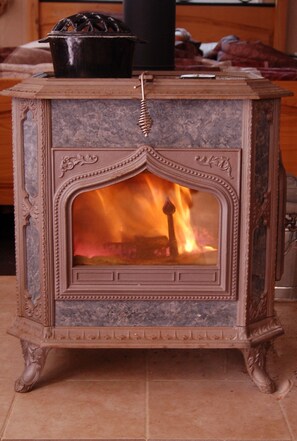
x: 35, y: 358
x: 255, y: 360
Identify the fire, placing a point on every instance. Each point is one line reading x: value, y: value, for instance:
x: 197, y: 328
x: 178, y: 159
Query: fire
x: 128, y: 219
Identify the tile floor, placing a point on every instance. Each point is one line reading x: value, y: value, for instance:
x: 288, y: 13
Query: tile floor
x: 147, y: 394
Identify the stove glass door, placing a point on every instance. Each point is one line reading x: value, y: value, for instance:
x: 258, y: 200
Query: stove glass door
x: 145, y: 220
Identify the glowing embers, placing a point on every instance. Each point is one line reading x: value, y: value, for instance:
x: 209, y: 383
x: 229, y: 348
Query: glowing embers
x: 145, y: 220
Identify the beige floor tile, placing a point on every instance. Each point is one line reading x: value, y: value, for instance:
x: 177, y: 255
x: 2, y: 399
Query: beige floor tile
x: 282, y: 364
x: 187, y: 364
x: 7, y: 314
x: 200, y: 364
x: 289, y: 406
x: 213, y: 410
x: 79, y: 410
x: 11, y: 358
x: 193, y: 394
x: 285, y: 349
x: 95, y: 364
x: 8, y: 289
x: 6, y: 399
x: 287, y: 313
x: 236, y: 370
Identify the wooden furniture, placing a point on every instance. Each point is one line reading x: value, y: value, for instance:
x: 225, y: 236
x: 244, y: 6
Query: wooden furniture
x: 6, y: 180
x: 77, y: 139
x: 209, y: 23
x: 205, y: 22
x: 288, y: 127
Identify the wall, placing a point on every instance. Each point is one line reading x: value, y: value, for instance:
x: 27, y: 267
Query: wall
x: 16, y: 30
x: 16, y: 22
x: 291, y: 27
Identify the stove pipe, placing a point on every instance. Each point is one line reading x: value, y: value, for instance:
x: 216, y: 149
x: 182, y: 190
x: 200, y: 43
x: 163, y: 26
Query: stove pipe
x: 153, y: 21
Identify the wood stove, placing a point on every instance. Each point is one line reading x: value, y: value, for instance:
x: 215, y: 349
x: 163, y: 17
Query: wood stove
x: 161, y: 241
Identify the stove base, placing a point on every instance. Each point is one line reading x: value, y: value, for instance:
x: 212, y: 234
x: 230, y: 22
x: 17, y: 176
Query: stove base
x: 254, y: 343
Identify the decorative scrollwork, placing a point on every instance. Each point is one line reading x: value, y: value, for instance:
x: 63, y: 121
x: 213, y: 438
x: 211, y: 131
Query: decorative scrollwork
x: 261, y: 211
x: 221, y: 162
x: 145, y: 155
x: 258, y: 307
x: 291, y: 222
x: 29, y: 209
x: 69, y: 162
x: 32, y: 309
x: 35, y: 357
x: 255, y: 360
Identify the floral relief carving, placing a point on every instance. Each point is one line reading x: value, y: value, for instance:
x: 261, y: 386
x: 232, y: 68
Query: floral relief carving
x: 35, y: 357
x: 268, y: 327
x: 261, y: 211
x: 54, y: 335
x: 148, y: 155
x: 221, y: 162
x: 69, y: 162
x: 29, y: 209
x: 33, y: 310
x: 255, y: 360
x: 146, y: 336
x: 33, y: 200
x: 258, y: 307
x: 140, y: 335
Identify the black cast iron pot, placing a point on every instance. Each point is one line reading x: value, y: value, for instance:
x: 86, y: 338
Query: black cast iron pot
x: 91, y: 45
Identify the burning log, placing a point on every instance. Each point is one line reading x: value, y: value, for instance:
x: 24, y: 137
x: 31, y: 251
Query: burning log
x: 149, y: 247
x: 139, y: 250
x: 141, y: 247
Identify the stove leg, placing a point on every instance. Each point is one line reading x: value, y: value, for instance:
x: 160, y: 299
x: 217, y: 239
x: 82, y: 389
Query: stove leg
x: 255, y: 360
x: 35, y: 357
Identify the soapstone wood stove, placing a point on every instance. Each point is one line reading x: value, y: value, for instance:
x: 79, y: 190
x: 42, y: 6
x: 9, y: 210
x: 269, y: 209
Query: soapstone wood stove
x: 161, y: 241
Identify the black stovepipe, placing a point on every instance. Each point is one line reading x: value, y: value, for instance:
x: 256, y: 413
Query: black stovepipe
x: 153, y: 22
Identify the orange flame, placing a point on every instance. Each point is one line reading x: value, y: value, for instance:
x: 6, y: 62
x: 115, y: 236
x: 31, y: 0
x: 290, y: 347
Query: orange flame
x: 124, y: 212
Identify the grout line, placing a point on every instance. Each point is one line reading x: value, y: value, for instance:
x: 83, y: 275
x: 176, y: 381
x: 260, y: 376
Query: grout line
x: 201, y: 380
x: 94, y: 439
x: 147, y: 415
x: 146, y: 380
x: 211, y: 439
x: 283, y: 410
x: 5, y: 423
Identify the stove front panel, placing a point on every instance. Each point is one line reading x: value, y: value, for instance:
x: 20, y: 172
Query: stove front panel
x: 98, y: 153
x: 144, y: 266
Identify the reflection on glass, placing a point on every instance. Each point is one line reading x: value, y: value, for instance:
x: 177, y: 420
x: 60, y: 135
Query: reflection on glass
x: 145, y: 220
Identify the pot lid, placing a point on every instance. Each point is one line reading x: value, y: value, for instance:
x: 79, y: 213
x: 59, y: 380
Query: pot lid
x: 90, y: 24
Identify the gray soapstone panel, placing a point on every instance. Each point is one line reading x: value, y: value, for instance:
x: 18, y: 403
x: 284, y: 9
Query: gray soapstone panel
x: 32, y: 260
x: 145, y: 313
x: 176, y: 123
x: 30, y: 155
